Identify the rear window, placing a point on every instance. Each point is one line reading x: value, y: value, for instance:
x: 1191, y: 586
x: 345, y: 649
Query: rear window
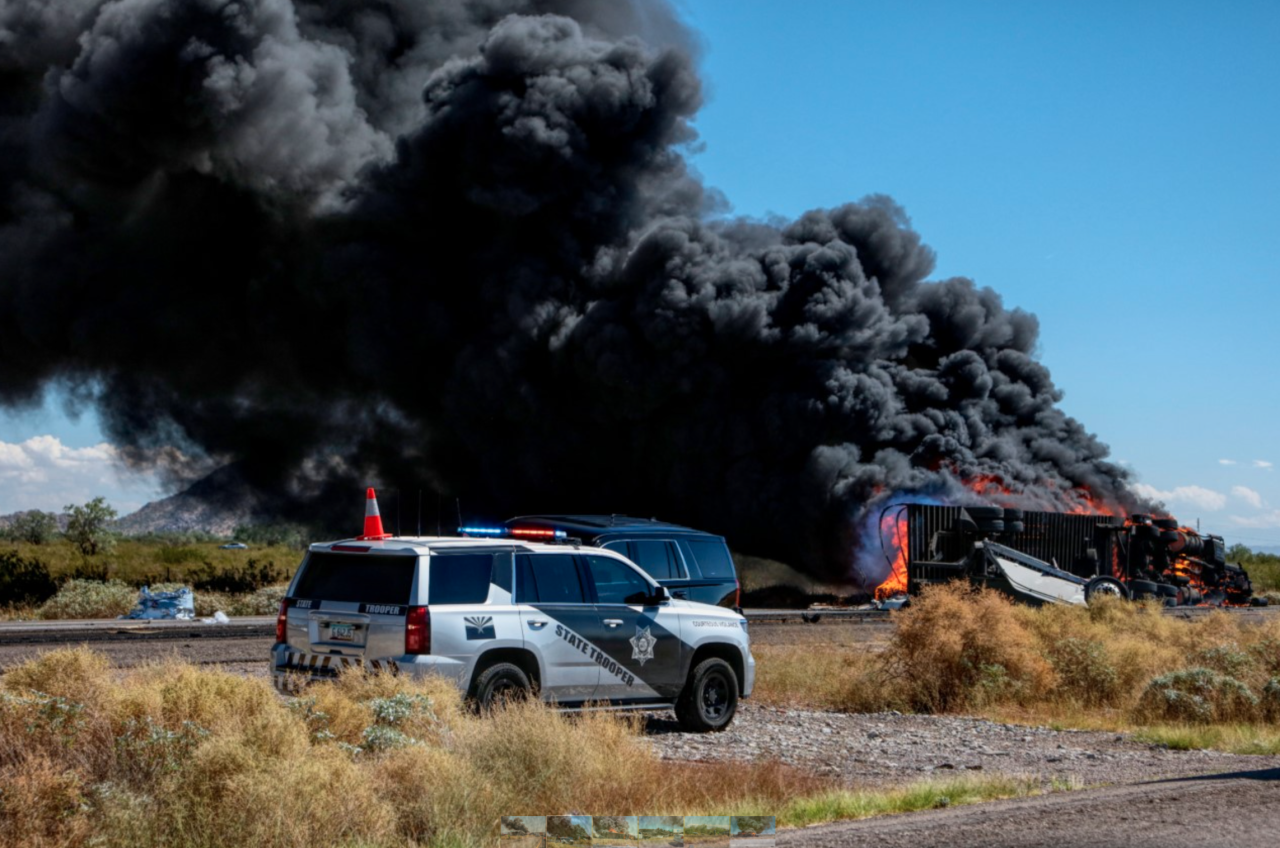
x: 548, y: 579
x: 712, y: 557
x: 658, y: 558
x: 459, y: 578
x: 361, y: 578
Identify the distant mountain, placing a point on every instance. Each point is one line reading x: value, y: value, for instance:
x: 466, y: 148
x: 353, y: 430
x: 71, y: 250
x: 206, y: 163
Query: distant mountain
x: 217, y: 504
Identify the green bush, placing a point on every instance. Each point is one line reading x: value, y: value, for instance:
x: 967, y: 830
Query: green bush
x: 24, y: 581
x: 1271, y: 699
x: 1085, y: 672
x: 33, y: 527
x: 178, y: 554
x: 237, y: 579
x: 90, y: 599
x: 1197, y: 695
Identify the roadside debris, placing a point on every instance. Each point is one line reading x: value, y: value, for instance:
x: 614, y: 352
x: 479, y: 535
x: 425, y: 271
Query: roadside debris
x: 178, y: 605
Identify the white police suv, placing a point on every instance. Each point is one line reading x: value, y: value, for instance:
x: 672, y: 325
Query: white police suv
x: 506, y: 617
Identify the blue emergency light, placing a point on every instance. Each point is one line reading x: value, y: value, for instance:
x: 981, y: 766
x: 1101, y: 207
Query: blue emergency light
x: 483, y: 531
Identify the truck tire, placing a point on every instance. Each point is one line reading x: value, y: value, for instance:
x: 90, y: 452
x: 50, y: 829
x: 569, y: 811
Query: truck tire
x: 985, y: 513
x: 1108, y: 587
x: 500, y: 683
x: 991, y: 526
x: 710, y: 697
x: 1166, y: 523
x: 1142, y: 589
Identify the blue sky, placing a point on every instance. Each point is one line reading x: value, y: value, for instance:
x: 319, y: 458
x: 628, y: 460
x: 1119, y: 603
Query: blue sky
x: 1110, y: 167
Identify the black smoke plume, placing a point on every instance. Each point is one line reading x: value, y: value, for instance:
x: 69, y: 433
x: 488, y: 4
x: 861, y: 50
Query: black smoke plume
x: 455, y: 247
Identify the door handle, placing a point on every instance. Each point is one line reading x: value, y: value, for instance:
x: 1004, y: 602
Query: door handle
x: 612, y: 622
x: 680, y: 593
x: 537, y: 623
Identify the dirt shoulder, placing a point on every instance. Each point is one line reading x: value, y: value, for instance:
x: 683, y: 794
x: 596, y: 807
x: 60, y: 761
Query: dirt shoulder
x: 1238, y: 809
x: 888, y: 748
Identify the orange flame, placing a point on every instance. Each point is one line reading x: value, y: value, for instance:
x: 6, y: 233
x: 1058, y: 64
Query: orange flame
x: 893, y: 527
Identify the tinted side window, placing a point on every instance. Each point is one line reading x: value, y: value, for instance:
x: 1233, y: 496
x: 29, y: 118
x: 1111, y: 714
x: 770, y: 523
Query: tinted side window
x: 459, y: 578
x: 616, y: 583
x: 548, y: 579
x: 712, y: 558
x: 657, y: 558
x: 362, y: 578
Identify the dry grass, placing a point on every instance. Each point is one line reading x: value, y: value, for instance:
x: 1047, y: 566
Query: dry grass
x: 176, y: 755
x: 1113, y: 665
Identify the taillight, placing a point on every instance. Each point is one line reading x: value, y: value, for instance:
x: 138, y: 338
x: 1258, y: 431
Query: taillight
x: 417, y: 631
x: 737, y: 593
x: 282, y: 621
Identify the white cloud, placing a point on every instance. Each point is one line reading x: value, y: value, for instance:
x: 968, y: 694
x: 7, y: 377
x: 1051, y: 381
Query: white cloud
x: 1227, y: 462
x: 1199, y: 496
x: 1262, y: 463
x: 1247, y: 495
x: 1265, y: 519
x: 43, y: 473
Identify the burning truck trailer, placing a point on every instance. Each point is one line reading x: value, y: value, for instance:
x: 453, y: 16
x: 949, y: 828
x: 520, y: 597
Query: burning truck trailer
x: 1048, y: 557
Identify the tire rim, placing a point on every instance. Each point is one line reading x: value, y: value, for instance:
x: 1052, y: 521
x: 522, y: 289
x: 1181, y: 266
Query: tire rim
x: 1107, y: 589
x: 715, y: 697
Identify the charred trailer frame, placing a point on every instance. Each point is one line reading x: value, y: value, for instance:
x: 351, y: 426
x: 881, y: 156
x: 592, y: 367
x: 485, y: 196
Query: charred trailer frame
x: 1049, y: 557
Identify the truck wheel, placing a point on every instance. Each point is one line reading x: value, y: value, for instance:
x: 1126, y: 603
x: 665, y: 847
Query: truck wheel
x: 1104, y: 587
x: 985, y: 513
x: 1143, y: 589
x: 710, y: 697
x: 501, y: 683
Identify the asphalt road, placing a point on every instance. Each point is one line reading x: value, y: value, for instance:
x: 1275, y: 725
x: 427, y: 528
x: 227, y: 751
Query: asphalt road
x: 1236, y: 810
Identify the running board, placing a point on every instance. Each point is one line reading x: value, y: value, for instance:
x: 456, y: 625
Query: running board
x: 653, y: 705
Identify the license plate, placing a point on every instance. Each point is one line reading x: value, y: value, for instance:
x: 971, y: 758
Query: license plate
x: 342, y: 632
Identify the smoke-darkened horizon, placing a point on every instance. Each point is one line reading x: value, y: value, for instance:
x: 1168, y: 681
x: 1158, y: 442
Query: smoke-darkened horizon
x: 456, y: 247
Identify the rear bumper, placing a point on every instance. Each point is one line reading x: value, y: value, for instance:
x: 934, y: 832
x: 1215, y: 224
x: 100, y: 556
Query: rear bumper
x: 292, y: 670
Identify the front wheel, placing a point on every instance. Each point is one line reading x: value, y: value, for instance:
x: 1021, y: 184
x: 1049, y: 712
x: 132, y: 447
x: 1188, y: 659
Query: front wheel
x: 710, y: 697
x: 1104, y: 587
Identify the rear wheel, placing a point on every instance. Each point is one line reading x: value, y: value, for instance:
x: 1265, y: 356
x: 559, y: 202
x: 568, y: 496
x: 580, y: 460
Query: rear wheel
x: 499, y: 684
x: 710, y: 697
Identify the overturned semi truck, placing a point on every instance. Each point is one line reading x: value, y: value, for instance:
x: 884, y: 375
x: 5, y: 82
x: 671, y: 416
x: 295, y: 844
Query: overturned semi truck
x: 1048, y: 557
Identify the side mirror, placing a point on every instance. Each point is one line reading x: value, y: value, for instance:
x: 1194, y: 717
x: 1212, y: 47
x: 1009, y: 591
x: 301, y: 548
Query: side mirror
x: 661, y: 595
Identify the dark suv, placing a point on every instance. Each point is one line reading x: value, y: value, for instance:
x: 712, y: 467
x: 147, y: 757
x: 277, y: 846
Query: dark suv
x: 692, y: 564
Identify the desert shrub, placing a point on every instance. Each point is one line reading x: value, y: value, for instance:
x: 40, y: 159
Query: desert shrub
x: 33, y: 527
x: 237, y: 579
x: 176, y: 755
x: 1270, y: 701
x: 264, y: 601
x: 1197, y: 695
x: 178, y: 554
x: 1229, y: 659
x: 89, y: 599
x: 24, y: 581
x: 1086, y: 672
x: 957, y: 648
x: 267, y: 535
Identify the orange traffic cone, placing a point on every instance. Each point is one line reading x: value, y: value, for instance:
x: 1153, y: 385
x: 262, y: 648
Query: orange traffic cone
x: 372, y: 520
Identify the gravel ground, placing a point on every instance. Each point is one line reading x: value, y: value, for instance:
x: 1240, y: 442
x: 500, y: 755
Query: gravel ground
x: 888, y: 748
x: 1239, y: 810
